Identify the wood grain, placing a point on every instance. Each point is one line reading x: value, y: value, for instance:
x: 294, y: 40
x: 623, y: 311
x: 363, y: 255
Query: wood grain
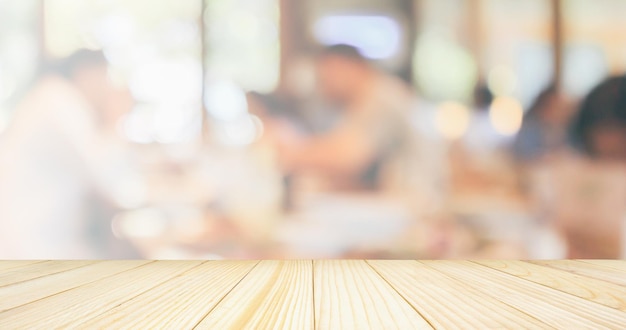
x: 430, y: 292
x: 602, y: 292
x: 29, y: 291
x: 70, y: 308
x: 36, y: 270
x: 600, y: 272
x: 13, y: 264
x: 179, y: 303
x: 349, y: 294
x: 306, y: 294
x: 619, y: 265
x: 276, y: 294
x: 553, y: 307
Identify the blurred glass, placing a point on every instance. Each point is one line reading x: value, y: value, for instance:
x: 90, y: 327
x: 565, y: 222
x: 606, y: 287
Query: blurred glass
x: 243, y: 43
x: 19, y: 51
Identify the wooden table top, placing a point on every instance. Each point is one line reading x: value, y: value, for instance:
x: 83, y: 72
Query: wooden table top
x: 306, y: 294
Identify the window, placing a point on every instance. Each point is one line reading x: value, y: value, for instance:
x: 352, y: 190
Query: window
x: 517, y: 59
x: 243, y: 54
x: 19, y: 51
x: 444, y: 68
x: 376, y: 36
x: 594, y: 34
x: 242, y: 38
x: 153, y: 46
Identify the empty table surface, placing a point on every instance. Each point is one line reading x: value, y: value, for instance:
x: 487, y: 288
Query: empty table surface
x: 307, y: 294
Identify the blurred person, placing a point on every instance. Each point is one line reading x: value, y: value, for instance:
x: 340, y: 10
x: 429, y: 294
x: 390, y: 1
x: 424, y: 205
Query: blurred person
x: 599, y: 129
x: 372, y: 131
x: 54, y: 154
x: 276, y: 108
x: 544, y: 127
x: 543, y: 143
x: 584, y: 192
x: 301, y: 92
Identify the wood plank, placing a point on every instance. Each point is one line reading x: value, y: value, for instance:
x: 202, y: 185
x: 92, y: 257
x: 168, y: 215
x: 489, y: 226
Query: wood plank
x: 39, y: 269
x: 599, y: 272
x: 67, y: 309
x: 12, y: 264
x: 275, y: 294
x: 615, y: 264
x: 305, y: 294
x: 349, y: 294
x: 431, y: 293
x: 162, y: 307
x: 556, y: 308
x: 28, y: 291
x: 602, y: 292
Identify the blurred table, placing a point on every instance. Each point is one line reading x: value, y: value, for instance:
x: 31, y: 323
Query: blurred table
x: 328, y: 225
x: 306, y: 294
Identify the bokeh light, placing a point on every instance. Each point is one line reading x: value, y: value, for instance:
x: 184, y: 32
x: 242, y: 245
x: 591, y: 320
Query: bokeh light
x: 225, y: 101
x: 167, y: 81
x: 240, y: 131
x: 141, y: 223
x: 443, y: 69
x: 452, y: 120
x: 506, y: 115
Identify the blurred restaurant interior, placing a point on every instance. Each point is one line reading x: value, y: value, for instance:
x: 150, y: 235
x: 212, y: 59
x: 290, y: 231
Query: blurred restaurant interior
x: 283, y: 129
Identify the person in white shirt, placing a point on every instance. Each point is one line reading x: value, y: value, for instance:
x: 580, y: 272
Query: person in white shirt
x: 52, y: 155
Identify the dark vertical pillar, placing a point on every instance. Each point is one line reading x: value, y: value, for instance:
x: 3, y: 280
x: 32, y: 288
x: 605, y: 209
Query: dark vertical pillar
x: 557, y: 41
x: 474, y: 20
x: 293, y: 34
x: 410, y: 8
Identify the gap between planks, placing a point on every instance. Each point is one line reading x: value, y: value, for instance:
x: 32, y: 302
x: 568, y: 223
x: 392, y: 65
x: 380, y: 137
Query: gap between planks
x: 402, y: 294
x: 588, y: 288
x: 554, y: 307
x: 446, y: 301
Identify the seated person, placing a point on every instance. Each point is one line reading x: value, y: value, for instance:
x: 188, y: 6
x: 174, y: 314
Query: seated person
x: 544, y: 129
x: 599, y: 130
x: 584, y: 193
x: 57, y: 152
x: 372, y: 129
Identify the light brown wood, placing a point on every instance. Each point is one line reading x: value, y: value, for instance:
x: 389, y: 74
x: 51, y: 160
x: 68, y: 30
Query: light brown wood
x: 553, y: 307
x: 70, y: 308
x: 201, y: 288
x: 274, y: 294
x: 39, y: 288
x: 306, y: 294
x: 602, y: 292
x: 616, y: 264
x: 13, y: 264
x: 351, y: 295
x: 601, y: 272
x: 35, y: 270
x: 431, y: 292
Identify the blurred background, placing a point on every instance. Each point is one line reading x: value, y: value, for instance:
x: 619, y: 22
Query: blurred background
x: 426, y: 129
